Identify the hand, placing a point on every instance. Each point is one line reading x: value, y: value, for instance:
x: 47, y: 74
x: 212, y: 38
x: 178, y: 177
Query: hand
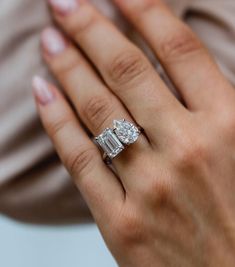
x: 171, y: 201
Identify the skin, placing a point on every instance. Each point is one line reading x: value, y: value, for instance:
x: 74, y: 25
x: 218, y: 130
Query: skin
x: 171, y: 202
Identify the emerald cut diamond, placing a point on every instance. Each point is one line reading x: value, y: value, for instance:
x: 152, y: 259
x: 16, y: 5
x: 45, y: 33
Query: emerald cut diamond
x: 110, y: 143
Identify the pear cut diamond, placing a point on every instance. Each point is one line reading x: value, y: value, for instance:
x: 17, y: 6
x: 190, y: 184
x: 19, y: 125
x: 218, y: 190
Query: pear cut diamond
x: 126, y: 131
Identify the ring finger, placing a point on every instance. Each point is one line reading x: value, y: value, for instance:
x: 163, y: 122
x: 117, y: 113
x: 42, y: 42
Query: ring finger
x: 96, y: 105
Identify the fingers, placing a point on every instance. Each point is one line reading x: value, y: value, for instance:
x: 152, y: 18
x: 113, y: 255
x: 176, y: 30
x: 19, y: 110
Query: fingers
x: 123, y: 67
x: 97, y: 107
x: 183, y: 56
x: 99, y: 186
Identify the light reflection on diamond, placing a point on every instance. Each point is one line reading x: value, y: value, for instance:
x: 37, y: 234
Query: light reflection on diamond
x: 126, y: 132
x: 110, y: 143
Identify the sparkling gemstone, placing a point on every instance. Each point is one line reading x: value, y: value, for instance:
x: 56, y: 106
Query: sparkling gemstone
x: 126, y: 132
x: 110, y: 143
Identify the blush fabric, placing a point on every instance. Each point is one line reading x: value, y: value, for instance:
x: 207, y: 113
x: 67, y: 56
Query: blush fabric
x: 34, y: 186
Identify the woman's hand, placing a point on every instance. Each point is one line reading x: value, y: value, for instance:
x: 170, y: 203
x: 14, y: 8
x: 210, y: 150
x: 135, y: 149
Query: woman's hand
x: 171, y: 201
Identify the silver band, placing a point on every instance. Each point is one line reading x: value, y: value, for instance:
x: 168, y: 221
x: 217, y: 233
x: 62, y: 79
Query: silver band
x: 114, y: 140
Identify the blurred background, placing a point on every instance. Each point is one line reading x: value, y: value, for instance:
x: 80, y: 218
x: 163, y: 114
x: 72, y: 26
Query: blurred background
x: 33, y: 246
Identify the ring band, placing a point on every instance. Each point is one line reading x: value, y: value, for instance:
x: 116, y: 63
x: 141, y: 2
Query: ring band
x: 114, y: 140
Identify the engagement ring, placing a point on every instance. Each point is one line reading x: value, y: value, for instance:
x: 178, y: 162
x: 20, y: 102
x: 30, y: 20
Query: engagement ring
x: 114, y: 140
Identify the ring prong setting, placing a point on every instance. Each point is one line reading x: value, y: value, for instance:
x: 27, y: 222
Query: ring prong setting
x: 126, y: 131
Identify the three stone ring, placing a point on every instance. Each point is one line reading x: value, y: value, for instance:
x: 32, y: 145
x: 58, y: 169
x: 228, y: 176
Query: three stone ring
x: 114, y: 140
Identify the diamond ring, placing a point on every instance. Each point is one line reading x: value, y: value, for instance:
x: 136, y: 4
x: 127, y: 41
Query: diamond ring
x: 114, y: 140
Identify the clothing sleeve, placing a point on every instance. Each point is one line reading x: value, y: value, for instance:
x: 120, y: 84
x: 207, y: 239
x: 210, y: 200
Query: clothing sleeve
x: 214, y: 22
x: 34, y: 186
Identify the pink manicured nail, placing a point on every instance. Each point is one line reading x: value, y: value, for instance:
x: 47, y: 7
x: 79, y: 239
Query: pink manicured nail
x: 53, y: 41
x: 42, y: 91
x: 64, y: 6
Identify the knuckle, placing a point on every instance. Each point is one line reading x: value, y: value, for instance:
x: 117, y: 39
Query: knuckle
x: 97, y: 111
x: 129, y: 230
x: 190, y: 154
x: 66, y: 67
x: 159, y: 190
x: 180, y: 44
x: 58, y: 125
x: 80, y: 161
x: 77, y: 25
x: 66, y: 63
x: 127, y: 67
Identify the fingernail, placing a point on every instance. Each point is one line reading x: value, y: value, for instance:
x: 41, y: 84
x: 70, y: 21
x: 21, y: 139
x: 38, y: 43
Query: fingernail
x: 64, y: 6
x: 53, y: 41
x: 42, y: 91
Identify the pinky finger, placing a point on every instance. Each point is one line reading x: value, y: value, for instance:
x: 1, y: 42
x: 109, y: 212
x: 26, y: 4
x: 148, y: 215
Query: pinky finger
x: 98, y: 185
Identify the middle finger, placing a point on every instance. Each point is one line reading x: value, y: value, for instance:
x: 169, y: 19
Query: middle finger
x: 122, y: 65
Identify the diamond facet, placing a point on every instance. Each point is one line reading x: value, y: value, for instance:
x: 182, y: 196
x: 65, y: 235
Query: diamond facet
x: 126, y: 132
x: 110, y: 143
